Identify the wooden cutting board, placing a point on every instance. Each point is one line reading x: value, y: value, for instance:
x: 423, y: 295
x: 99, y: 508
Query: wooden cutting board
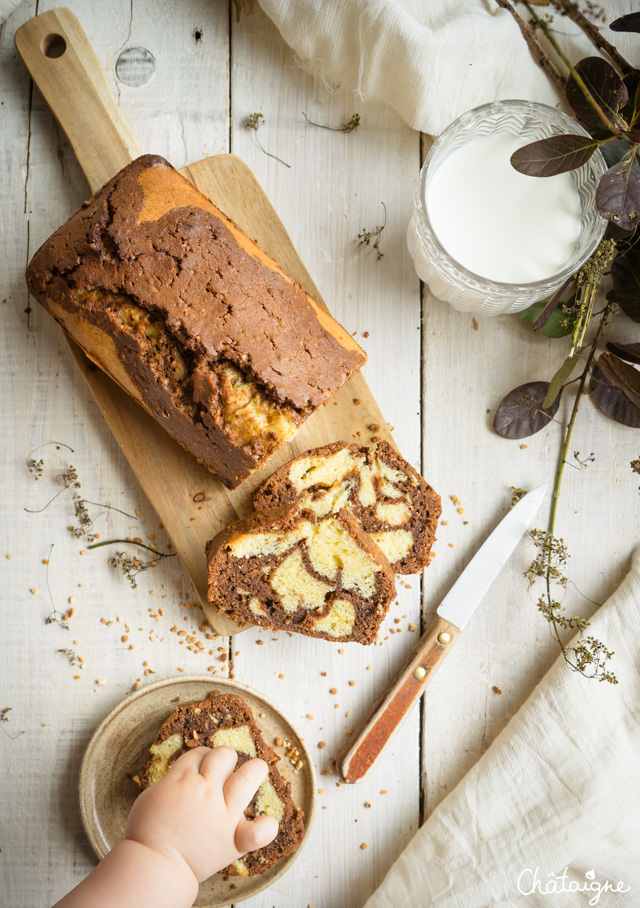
x: 190, y: 502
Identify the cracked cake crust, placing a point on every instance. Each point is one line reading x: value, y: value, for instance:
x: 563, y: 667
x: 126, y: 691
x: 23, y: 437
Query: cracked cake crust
x: 149, y: 274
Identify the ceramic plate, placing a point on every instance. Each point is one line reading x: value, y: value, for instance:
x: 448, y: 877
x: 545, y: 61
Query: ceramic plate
x: 120, y: 748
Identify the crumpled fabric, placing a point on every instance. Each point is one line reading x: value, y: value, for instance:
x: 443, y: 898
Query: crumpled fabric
x: 553, y: 803
x: 430, y: 59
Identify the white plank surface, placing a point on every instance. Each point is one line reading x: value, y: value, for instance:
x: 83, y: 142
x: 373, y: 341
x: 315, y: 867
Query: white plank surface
x: 434, y: 377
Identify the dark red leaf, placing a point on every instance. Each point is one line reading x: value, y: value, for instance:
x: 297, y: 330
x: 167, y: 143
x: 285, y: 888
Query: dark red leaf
x: 618, y: 194
x: 630, y: 353
x: 520, y: 413
x: 628, y: 23
x: 551, y: 306
x: 607, y: 89
x: 612, y: 401
x: 622, y: 375
x: 558, y: 154
x: 625, y: 274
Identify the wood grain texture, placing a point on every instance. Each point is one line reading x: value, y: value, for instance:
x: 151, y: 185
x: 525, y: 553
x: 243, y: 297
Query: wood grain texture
x: 434, y: 376
x: 376, y: 732
x: 191, y: 503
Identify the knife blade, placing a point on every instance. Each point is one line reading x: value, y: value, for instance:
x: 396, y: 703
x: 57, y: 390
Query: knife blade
x: 359, y: 756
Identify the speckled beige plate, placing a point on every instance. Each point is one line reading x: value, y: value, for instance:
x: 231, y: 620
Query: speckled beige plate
x: 120, y: 747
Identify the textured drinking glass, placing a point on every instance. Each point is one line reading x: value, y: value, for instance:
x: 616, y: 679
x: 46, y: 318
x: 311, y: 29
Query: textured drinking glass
x: 448, y: 279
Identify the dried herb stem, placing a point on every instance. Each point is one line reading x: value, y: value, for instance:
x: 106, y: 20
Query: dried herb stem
x: 537, y: 50
x: 141, y: 545
x: 572, y: 11
x: 544, y: 27
x: 350, y: 126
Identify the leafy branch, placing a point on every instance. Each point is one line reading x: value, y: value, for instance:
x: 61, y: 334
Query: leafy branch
x: 607, y: 103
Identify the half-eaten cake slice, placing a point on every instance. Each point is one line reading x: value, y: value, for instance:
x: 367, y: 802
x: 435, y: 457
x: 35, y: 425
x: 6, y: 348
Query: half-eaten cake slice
x: 396, y: 507
x: 284, y: 568
x: 226, y: 720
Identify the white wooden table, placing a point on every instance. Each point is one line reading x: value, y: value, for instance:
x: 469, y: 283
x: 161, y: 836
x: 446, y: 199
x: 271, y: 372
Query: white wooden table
x: 437, y: 377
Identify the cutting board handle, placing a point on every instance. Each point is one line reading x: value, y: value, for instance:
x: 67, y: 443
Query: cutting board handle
x: 67, y: 71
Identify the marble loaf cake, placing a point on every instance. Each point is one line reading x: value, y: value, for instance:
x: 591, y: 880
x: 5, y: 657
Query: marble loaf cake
x: 191, y: 318
x: 285, y: 568
x: 226, y: 720
x: 394, y: 504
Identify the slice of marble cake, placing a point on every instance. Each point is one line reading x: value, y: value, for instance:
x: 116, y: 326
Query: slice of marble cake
x: 395, y: 505
x: 285, y: 568
x: 226, y: 720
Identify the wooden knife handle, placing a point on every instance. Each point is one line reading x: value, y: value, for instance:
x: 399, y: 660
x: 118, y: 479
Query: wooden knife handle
x: 358, y: 758
x: 67, y: 71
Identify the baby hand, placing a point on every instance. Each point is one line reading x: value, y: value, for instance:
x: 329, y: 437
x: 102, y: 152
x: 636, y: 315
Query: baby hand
x: 195, y: 814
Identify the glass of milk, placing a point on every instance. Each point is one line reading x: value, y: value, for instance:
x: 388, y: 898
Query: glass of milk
x: 488, y: 239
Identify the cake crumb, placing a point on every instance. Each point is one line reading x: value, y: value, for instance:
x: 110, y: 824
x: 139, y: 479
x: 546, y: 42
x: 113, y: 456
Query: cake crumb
x: 363, y: 846
x: 33, y: 590
x: 367, y: 804
x: 523, y: 447
x: 321, y: 745
x: 324, y: 674
x: 384, y: 791
x: 310, y: 716
x: 352, y: 683
x: 333, y: 690
x: 281, y: 677
x: 356, y: 401
x: 496, y: 689
x: 260, y: 642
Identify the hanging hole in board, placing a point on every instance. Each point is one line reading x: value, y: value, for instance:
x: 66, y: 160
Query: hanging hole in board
x: 53, y: 46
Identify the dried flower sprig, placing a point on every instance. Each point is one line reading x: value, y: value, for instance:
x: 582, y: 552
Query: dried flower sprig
x: 366, y: 236
x: 54, y: 617
x: 350, y: 126
x: 517, y: 495
x: 4, y: 718
x: 131, y: 566
x: 588, y: 655
x: 254, y: 121
x: 73, y: 658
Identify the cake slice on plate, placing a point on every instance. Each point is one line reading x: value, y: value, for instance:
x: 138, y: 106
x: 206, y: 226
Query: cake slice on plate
x: 226, y: 720
x: 283, y: 567
x: 397, y: 508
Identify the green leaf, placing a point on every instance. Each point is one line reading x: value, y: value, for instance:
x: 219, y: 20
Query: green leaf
x: 618, y: 194
x: 607, y: 89
x: 625, y: 274
x: 622, y: 376
x: 558, y: 380
x: 557, y: 154
x: 554, y: 327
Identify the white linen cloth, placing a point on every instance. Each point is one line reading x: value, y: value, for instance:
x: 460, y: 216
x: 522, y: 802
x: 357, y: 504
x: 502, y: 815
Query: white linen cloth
x: 558, y: 788
x: 431, y: 59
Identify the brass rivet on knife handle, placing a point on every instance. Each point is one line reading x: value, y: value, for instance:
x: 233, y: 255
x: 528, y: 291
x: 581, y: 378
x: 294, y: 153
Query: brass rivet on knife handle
x: 68, y: 73
x: 360, y: 755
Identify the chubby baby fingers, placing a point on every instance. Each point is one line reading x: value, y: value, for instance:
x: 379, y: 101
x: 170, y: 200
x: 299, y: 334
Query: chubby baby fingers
x: 243, y: 784
x: 253, y: 834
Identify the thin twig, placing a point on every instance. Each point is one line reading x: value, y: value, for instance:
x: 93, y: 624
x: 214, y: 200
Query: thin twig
x: 141, y: 545
x: 535, y: 47
x: 540, y: 23
x: 573, y: 12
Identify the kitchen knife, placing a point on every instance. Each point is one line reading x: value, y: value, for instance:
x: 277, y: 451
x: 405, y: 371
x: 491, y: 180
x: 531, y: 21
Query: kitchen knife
x: 359, y: 757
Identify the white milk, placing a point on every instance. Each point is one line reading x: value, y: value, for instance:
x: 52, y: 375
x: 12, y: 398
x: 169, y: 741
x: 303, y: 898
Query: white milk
x: 499, y: 223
